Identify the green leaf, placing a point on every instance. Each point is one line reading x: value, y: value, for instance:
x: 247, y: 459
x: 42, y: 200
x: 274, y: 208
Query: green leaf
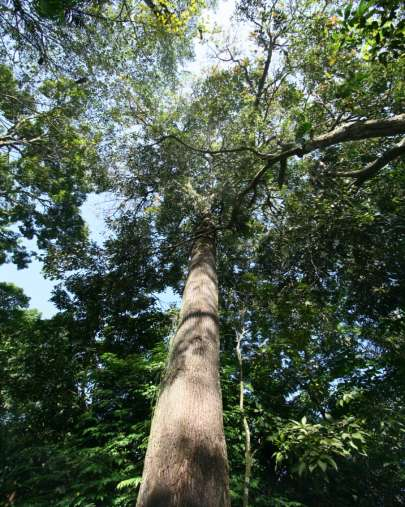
x: 129, y: 483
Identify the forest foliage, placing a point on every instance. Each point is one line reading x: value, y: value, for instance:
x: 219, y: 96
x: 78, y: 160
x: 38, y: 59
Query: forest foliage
x: 96, y: 96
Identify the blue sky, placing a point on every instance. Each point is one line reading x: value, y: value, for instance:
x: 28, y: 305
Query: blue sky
x: 34, y: 284
x: 39, y: 289
x: 32, y: 280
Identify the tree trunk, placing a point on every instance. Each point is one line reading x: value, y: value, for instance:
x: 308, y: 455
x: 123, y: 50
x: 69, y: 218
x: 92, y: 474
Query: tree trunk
x: 186, y: 463
x: 246, y: 428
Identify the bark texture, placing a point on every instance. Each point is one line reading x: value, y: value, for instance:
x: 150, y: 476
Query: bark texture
x: 358, y: 130
x: 186, y: 463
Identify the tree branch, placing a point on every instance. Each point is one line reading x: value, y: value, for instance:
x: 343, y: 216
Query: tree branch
x: 238, y: 149
x: 354, y: 131
x: 5, y: 141
x: 358, y: 130
x: 264, y: 74
x: 373, y: 167
x: 240, y: 65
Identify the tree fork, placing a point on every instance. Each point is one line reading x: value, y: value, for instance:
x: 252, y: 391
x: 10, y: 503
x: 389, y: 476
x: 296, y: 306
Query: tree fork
x: 186, y: 463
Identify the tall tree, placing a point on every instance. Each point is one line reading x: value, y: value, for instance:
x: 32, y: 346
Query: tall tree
x: 280, y: 150
x: 217, y: 152
x: 48, y: 164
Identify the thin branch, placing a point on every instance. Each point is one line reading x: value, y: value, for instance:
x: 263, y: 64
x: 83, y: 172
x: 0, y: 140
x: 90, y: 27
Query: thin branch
x: 264, y: 74
x: 15, y: 142
x: 246, y: 428
x: 244, y: 68
x: 277, y: 82
x: 238, y: 149
x: 295, y: 150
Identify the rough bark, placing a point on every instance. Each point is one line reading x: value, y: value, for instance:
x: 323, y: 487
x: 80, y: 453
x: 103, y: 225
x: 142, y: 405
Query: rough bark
x: 186, y: 463
x: 358, y: 130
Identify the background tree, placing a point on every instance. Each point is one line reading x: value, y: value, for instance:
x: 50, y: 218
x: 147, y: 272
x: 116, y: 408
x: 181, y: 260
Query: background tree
x: 61, y: 116
x: 48, y: 164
